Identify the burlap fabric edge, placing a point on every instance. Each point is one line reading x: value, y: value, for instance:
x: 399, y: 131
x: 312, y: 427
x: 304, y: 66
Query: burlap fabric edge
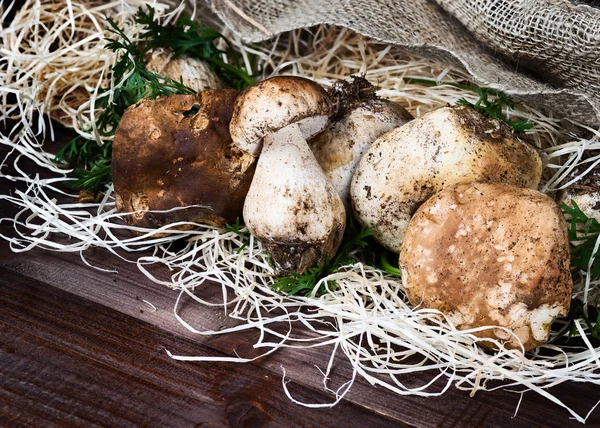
x: 419, y: 27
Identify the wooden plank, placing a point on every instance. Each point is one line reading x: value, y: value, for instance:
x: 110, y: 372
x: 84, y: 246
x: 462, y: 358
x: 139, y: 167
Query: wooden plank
x: 124, y: 292
x: 68, y: 361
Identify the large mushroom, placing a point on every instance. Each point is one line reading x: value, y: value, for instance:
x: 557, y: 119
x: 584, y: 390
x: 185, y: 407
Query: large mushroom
x: 409, y: 164
x: 490, y: 254
x: 176, y: 152
x: 361, y: 118
x: 291, y: 207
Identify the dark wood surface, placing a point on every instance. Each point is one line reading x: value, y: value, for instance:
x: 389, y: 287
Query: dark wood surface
x: 80, y: 347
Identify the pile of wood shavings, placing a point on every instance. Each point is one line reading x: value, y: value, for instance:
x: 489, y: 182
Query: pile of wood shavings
x: 53, y: 63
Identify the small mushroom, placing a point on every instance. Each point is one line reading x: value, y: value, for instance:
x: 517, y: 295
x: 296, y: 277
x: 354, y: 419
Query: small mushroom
x: 362, y: 117
x: 490, y: 254
x: 586, y: 191
x: 272, y: 104
x: 176, y: 152
x: 193, y: 72
x: 291, y: 206
x: 409, y: 164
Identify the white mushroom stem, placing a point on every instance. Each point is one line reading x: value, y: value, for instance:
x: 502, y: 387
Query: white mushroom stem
x: 291, y: 206
x: 311, y: 126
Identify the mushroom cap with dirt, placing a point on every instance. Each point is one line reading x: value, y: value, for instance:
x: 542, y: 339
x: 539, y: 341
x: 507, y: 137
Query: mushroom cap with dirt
x: 193, y: 72
x: 407, y: 165
x: 176, y: 152
x: 362, y: 117
x: 490, y: 254
x: 272, y: 104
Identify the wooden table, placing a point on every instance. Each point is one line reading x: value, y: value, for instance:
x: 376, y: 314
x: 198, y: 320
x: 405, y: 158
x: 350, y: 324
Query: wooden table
x: 81, y: 347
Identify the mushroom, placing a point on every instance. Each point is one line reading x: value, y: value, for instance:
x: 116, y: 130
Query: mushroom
x: 193, y: 72
x: 176, y: 152
x: 586, y: 191
x: 291, y: 206
x: 490, y: 254
x: 407, y: 165
x: 362, y: 117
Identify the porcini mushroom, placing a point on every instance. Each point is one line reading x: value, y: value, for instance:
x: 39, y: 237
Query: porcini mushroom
x: 193, y: 72
x: 176, y: 152
x: 407, y: 165
x: 291, y: 207
x: 490, y: 254
x: 361, y: 118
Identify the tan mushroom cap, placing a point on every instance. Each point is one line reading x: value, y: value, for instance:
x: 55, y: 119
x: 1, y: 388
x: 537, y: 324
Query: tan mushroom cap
x: 490, y: 254
x: 274, y: 103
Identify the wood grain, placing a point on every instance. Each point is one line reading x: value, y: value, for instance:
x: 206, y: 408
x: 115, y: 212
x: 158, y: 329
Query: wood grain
x: 124, y: 293
x: 66, y: 360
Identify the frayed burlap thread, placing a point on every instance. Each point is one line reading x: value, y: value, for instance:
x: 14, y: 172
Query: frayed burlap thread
x: 424, y: 28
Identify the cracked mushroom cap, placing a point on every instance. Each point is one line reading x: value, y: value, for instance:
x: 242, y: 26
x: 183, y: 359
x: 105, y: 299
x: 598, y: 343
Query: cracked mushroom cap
x: 490, y: 254
x: 272, y: 104
x: 175, y: 152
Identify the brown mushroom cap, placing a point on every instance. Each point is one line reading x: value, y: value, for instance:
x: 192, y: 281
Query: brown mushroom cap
x: 166, y: 155
x: 274, y: 103
x: 490, y: 254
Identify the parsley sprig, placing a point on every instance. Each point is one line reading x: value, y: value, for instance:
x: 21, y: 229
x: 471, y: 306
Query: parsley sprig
x: 583, y: 231
x: 135, y: 82
x: 357, y: 245
x: 491, y: 102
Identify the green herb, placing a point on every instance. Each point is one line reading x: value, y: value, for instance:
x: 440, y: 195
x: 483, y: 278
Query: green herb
x: 135, y: 83
x: 356, y: 244
x: 385, y: 265
x: 577, y: 311
x: 493, y: 108
x: 584, y: 232
x: 237, y: 229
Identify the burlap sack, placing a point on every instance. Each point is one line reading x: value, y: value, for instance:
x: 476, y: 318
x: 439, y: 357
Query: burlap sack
x: 543, y: 52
